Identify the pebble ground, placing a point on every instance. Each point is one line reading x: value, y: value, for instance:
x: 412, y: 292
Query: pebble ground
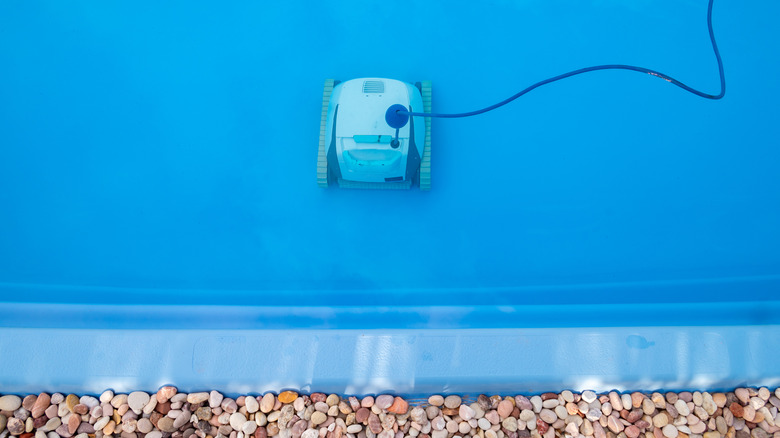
x: 742, y: 413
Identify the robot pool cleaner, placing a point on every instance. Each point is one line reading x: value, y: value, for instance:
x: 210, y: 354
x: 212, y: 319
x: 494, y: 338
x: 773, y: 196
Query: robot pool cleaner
x: 375, y: 133
x: 366, y: 143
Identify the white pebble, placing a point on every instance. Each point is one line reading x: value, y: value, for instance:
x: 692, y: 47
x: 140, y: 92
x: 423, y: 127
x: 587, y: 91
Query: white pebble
x: 466, y: 413
x: 249, y: 427
x: 10, y: 402
x: 527, y: 415
x: 237, y: 420
x: 484, y: 424
x: 670, y: 431
x: 137, y: 400
x: 757, y: 403
x: 154, y: 434
x: 452, y: 401
x: 536, y: 401
x: 252, y: 405
x: 593, y: 414
x: 548, y: 416
x: 101, y: 422
x: 682, y: 407
x: 106, y: 396
x: 625, y: 399
x: 215, y: 399
x: 89, y: 401
x: 588, y: 396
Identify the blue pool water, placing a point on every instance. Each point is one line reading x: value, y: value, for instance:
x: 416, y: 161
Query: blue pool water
x: 157, y: 172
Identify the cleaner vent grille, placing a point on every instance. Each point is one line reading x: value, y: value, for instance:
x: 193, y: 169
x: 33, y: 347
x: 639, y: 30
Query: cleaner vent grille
x: 373, y: 87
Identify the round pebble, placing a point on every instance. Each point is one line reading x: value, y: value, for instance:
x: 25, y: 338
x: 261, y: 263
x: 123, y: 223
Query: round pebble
x: 251, y: 405
x: 267, y: 403
x: 670, y: 431
x: 505, y: 408
x: 318, y: 418
x: 466, y: 413
x: 383, y: 401
x: 436, y: 400
x: 548, y: 416
x: 452, y: 401
x: 288, y: 396
x: 237, y: 420
x: 743, y: 413
x: 137, y: 400
x: 588, y: 396
x: 10, y: 402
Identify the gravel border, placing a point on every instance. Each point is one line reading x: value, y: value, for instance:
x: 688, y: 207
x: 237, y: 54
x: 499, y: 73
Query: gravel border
x: 742, y: 413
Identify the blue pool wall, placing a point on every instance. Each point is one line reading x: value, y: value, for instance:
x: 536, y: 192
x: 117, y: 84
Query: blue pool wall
x: 160, y: 221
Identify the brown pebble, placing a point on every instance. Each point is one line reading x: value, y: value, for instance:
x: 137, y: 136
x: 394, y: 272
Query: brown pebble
x: 634, y: 415
x: 165, y: 393
x: 203, y: 413
x: 29, y: 401
x: 642, y: 424
x: 86, y: 428
x: 362, y: 415
x: 736, y: 409
x: 636, y: 399
x: 260, y: 432
x: 522, y: 402
x: 542, y: 426
x: 549, y: 396
x: 41, y: 403
x: 632, y: 431
x: 73, y: 423
x: 449, y: 411
x: 272, y: 429
x: 374, y: 423
x: 399, y: 406
x: 504, y: 408
x: 484, y: 402
x: 80, y: 409
x: 163, y: 408
x: 317, y: 397
x: 26, y: 435
x: 40, y: 421
x: 166, y: 424
x: 354, y: 403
